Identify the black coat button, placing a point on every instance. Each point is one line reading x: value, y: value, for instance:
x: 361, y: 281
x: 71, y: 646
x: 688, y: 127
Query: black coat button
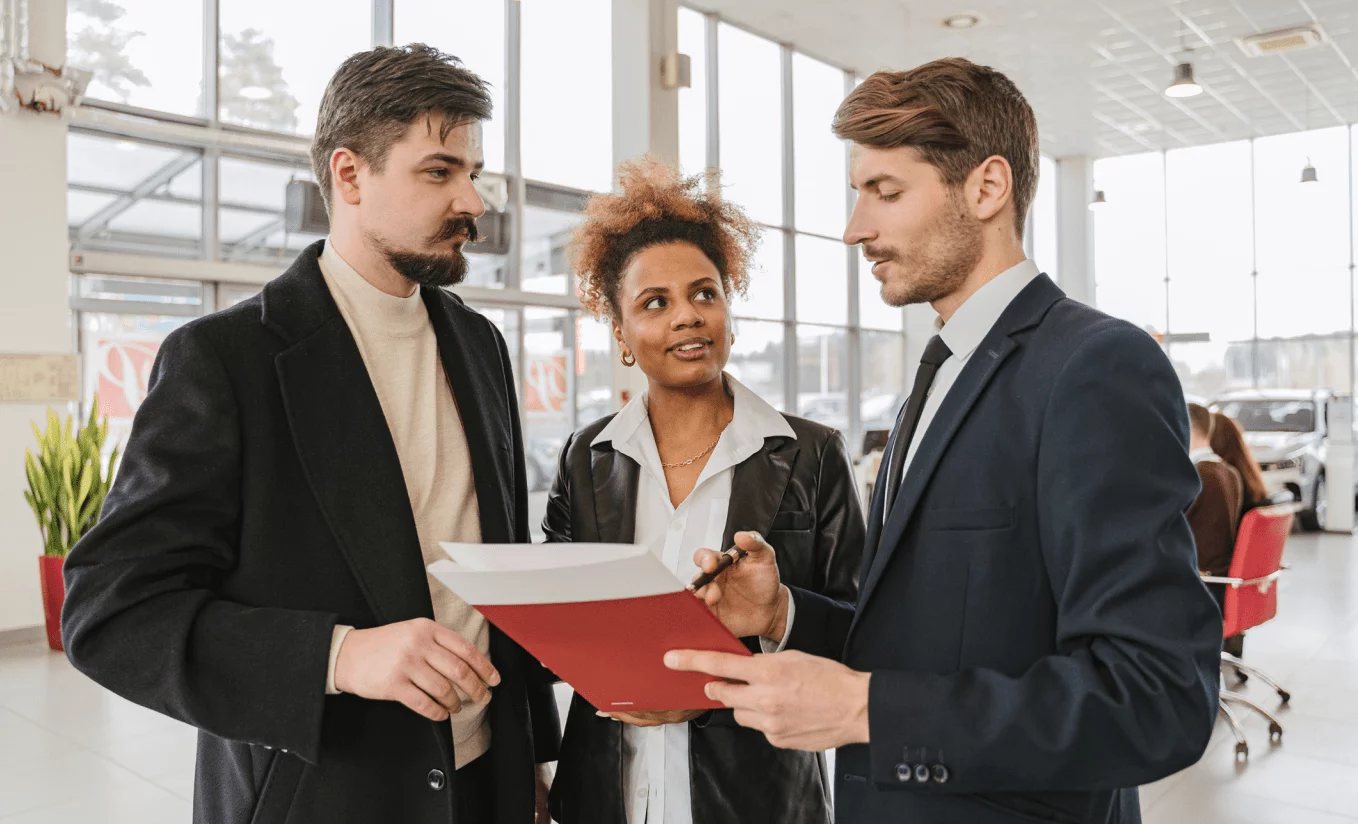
x: 922, y: 773
x: 437, y: 779
x: 903, y: 772
x: 941, y: 774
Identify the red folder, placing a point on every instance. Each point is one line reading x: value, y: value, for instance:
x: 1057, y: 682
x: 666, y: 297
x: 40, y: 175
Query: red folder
x: 600, y: 616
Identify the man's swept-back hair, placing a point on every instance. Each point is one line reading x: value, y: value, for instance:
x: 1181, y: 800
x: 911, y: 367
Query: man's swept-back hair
x: 955, y: 114
x: 375, y: 95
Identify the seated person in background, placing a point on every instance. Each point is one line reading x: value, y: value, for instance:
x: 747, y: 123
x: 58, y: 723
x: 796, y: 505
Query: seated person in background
x: 1215, y: 515
x: 1228, y: 442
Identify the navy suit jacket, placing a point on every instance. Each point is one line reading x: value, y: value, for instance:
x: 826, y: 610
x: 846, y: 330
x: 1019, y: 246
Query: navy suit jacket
x: 1031, y: 611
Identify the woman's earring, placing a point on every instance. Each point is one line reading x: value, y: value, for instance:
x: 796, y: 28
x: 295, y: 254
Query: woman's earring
x: 628, y: 359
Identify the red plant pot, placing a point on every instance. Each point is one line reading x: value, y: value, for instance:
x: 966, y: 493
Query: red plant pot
x: 53, y: 596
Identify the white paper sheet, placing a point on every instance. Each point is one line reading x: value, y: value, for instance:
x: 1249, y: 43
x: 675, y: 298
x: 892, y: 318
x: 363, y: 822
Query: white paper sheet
x: 489, y: 574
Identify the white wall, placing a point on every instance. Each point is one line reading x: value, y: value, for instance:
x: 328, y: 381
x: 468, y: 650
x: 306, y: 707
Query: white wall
x: 34, y: 282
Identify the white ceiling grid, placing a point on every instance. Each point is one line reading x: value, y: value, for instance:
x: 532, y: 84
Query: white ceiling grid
x: 1095, y: 70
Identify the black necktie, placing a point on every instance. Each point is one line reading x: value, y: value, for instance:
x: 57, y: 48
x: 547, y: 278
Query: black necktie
x: 934, y: 355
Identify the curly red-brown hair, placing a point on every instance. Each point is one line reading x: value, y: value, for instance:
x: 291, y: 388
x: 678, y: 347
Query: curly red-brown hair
x: 657, y: 205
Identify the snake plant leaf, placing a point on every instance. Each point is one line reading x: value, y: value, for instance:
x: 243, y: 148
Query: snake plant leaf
x: 112, y: 462
x: 86, y: 482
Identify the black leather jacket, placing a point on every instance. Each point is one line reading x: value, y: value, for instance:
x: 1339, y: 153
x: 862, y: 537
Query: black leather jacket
x: 801, y: 495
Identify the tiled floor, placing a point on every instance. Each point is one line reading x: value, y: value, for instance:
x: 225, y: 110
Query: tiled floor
x: 71, y: 753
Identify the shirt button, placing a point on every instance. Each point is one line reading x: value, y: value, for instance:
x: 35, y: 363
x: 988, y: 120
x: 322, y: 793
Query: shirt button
x: 904, y: 773
x: 941, y: 774
x: 437, y: 780
x: 922, y: 773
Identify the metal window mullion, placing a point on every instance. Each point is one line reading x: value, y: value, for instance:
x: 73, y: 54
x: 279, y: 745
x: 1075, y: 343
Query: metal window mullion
x: 514, y: 179
x: 568, y: 338
x: 1254, y: 273
x: 1164, y: 216
x: 713, y: 152
x: 854, y: 351
x: 136, y: 307
x: 513, y: 153
x: 211, y: 57
x: 1353, y: 222
x: 77, y: 321
x: 789, y: 237
x: 384, y: 22
x: 210, y: 243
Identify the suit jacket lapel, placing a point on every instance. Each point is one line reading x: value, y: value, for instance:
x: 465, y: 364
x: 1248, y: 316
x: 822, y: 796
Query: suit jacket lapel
x: 757, y: 488
x: 344, y: 444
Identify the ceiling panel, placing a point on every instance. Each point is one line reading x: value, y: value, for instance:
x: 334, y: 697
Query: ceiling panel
x: 1095, y: 70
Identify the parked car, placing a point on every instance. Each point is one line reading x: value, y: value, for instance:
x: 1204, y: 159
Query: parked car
x: 1288, y: 432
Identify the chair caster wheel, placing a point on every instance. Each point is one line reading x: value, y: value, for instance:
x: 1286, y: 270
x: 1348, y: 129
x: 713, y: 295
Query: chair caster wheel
x: 1285, y: 696
x: 1242, y: 752
x: 1275, y: 734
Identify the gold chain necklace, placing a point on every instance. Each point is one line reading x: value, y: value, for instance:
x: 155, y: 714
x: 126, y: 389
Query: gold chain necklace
x: 690, y: 461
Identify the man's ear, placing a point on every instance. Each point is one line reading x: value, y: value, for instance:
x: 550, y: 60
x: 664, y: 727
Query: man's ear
x: 344, y: 176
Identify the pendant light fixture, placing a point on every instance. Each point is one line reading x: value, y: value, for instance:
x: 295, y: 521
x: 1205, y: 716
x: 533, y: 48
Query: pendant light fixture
x: 1098, y: 202
x: 1184, y: 84
x: 1308, y: 172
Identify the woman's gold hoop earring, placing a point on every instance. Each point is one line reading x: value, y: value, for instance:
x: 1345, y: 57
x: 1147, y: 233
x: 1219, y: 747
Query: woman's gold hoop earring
x: 628, y: 359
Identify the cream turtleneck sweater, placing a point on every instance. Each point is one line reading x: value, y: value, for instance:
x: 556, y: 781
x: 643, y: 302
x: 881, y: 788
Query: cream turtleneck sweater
x: 396, y: 339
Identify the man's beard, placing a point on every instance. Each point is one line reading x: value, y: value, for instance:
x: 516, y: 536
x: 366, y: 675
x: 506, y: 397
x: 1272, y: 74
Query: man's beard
x: 940, y: 265
x: 431, y: 268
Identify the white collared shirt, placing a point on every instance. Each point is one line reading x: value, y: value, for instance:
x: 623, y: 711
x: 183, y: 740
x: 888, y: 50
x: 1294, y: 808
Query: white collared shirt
x: 1197, y: 456
x: 656, y: 780
x: 968, y: 326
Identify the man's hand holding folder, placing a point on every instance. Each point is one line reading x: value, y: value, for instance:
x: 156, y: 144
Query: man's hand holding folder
x: 796, y: 700
x: 599, y: 616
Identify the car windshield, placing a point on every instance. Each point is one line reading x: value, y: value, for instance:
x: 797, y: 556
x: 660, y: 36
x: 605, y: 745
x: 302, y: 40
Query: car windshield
x: 1272, y: 416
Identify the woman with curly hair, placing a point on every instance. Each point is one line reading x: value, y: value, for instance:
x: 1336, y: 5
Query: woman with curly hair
x: 693, y: 461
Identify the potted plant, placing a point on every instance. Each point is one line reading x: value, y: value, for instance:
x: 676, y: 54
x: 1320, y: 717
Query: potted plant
x: 66, y: 490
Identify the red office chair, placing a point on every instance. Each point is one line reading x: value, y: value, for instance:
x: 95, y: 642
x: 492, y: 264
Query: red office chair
x: 1252, y: 599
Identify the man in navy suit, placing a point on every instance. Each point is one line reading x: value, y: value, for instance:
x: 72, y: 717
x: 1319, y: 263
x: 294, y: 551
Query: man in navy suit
x: 1031, y: 639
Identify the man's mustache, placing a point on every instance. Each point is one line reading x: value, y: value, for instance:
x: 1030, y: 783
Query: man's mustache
x: 879, y: 253
x: 454, y: 227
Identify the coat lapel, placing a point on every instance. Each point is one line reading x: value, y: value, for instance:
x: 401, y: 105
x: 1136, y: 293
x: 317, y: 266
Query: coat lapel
x: 1025, y: 311
x: 471, y: 360
x: 757, y: 488
x: 615, y: 484
x: 344, y: 444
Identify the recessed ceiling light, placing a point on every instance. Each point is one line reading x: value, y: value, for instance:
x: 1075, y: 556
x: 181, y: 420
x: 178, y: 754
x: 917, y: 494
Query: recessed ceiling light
x: 962, y: 21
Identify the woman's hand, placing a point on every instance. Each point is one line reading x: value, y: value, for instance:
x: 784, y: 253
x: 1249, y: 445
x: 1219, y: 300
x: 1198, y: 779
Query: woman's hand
x: 748, y: 596
x: 654, y: 719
